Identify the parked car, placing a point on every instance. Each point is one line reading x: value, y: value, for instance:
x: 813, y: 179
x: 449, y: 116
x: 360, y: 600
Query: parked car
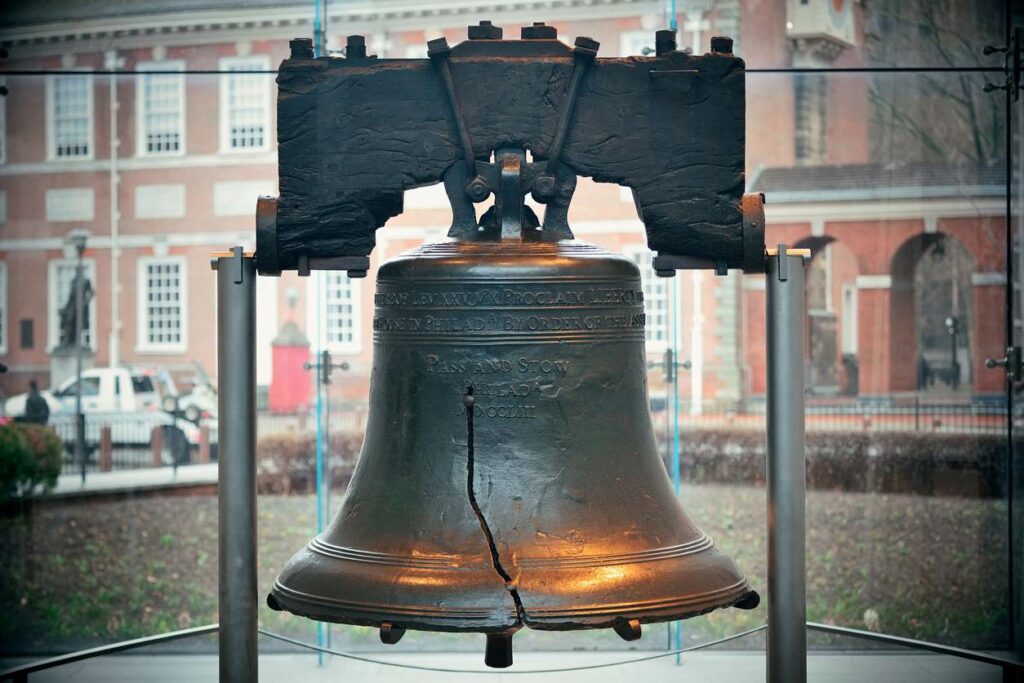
x: 129, y: 401
x: 104, y: 390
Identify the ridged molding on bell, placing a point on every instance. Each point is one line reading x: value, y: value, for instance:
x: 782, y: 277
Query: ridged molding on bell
x: 509, y: 474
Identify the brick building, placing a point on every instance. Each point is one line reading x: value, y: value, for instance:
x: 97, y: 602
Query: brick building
x: 163, y: 167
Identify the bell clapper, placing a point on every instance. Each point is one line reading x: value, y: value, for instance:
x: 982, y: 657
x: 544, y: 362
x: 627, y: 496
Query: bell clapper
x: 498, y: 654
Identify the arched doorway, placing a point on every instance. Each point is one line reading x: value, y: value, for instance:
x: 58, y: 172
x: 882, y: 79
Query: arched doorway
x: 931, y: 315
x: 831, y: 322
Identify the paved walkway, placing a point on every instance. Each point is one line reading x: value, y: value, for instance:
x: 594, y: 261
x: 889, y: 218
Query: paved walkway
x: 703, y: 667
x: 125, y: 481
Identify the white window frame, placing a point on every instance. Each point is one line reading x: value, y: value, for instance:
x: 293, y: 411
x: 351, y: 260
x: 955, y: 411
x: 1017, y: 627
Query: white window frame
x: 261, y: 63
x: 51, y: 131
x: 316, y: 314
x: 642, y: 257
x: 142, y: 343
x: 141, y: 112
x: 3, y: 125
x: 5, y: 331
x: 53, y: 303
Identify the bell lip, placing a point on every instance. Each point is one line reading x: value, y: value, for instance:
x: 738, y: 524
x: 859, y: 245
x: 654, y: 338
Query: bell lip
x: 311, y: 607
x: 448, y: 620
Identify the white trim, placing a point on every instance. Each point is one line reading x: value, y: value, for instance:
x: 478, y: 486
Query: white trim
x: 143, y: 163
x: 988, y: 279
x: 53, y: 305
x: 817, y: 227
x: 874, y: 281
x: 229, y: 64
x: 5, y: 331
x: 51, y: 142
x: 931, y: 224
x: 884, y: 210
x: 137, y: 241
x: 142, y: 343
x: 140, y: 107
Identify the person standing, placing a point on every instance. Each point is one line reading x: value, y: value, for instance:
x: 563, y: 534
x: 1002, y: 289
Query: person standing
x: 37, y: 410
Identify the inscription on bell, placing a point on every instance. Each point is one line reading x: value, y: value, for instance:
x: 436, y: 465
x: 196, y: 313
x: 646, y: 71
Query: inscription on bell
x: 492, y: 366
x: 512, y: 297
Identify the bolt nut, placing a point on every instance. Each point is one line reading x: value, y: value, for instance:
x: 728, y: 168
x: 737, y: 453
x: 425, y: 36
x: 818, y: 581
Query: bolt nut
x: 544, y: 188
x: 539, y: 31
x: 477, y: 189
x: 664, y: 42
x: 301, y: 48
x: 355, y: 47
x: 485, y: 31
x: 721, y: 45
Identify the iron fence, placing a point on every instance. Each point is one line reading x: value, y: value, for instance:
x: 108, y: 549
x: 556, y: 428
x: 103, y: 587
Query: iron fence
x: 118, y: 441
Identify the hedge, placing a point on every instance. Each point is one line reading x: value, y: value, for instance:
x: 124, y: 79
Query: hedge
x: 919, y: 463
x: 31, y: 456
x: 971, y: 465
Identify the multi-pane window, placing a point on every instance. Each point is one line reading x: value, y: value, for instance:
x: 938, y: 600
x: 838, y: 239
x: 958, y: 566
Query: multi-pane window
x: 162, y: 304
x: 161, y: 102
x: 245, y: 99
x: 340, y: 308
x: 70, y: 113
x: 61, y: 282
x: 3, y: 307
x: 656, y: 303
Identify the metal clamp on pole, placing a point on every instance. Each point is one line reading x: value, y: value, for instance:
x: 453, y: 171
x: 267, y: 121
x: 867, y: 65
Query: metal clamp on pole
x: 787, y: 635
x: 236, y: 364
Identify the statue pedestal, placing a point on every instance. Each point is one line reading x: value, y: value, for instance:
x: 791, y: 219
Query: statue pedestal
x: 62, y: 363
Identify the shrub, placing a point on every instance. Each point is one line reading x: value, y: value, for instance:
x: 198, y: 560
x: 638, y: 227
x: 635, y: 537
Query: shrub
x: 30, y: 457
x: 286, y: 463
x: 921, y: 463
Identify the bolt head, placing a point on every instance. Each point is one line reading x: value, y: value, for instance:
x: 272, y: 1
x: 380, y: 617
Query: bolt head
x: 477, y: 189
x: 586, y: 46
x: 544, y: 188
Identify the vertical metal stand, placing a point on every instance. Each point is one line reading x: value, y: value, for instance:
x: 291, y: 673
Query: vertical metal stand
x: 236, y: 363
x: 787, y: 611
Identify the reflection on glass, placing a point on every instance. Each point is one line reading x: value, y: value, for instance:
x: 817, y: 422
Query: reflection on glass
x: 895, y: 181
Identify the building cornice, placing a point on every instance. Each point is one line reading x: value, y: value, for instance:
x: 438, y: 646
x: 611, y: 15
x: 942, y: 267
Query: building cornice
x: 366, y: 16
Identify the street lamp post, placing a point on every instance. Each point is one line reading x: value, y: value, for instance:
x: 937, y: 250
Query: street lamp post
x: 78, y: 239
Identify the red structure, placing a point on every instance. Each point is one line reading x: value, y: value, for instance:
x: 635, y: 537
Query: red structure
x: 290, y: 384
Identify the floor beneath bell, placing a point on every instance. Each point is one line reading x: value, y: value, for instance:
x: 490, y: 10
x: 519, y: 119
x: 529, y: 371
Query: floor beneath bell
x: 705, y: 667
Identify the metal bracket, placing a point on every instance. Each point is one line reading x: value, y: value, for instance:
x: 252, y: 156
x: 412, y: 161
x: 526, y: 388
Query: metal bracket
x: 1011, y: 65
x: 1012, y: 361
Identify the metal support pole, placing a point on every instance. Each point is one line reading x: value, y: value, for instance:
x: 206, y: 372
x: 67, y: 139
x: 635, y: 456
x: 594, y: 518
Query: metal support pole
x: 787, y: 611
x: 236, y: 363
x: 79, y: 314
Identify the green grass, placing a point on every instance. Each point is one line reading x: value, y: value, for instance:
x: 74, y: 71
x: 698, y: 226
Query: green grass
x: 79, y: 574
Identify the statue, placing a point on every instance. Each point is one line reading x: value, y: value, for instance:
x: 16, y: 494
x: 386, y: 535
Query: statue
x: 67, y: 312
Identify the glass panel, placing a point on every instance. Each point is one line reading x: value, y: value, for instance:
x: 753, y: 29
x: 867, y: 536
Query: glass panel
x: 896, y: 182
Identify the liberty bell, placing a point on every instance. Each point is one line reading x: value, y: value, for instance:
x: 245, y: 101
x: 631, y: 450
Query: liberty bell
x: 509, y: 475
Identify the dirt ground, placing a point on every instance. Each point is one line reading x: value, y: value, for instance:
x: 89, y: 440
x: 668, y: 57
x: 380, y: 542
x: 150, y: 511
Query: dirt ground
x: 80, y: 574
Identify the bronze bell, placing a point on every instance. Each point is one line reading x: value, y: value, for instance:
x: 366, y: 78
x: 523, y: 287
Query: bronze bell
x: 509, y: 474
